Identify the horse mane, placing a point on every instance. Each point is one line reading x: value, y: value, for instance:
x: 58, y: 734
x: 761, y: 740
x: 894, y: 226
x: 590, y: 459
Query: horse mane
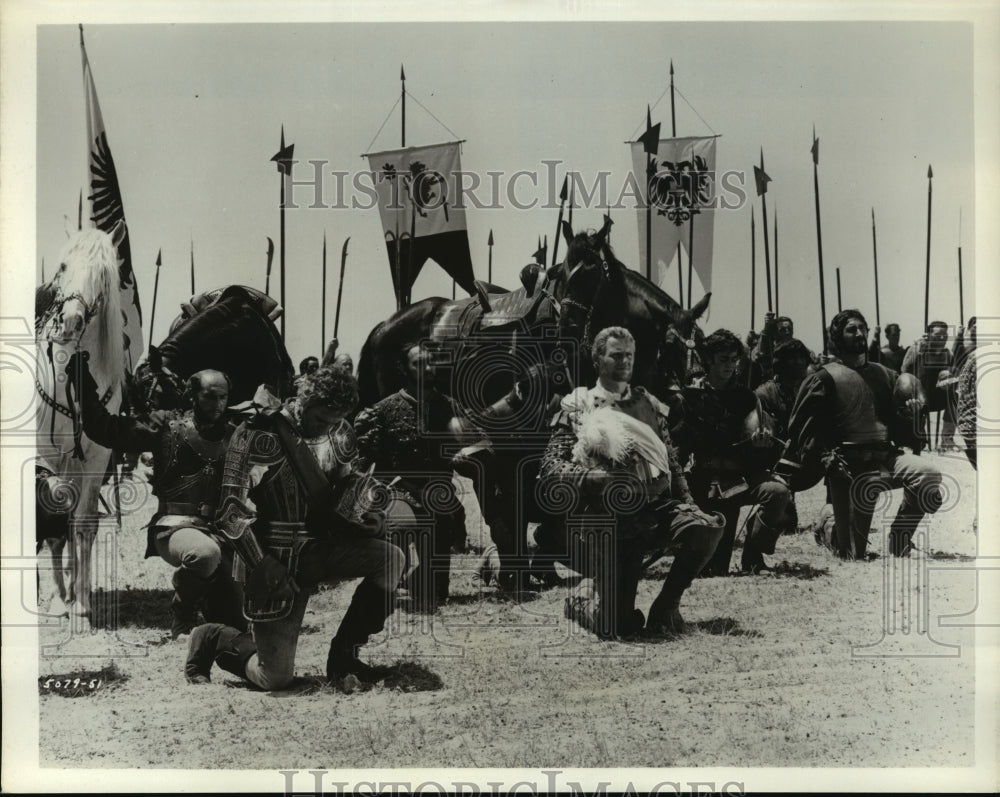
x: 91, y: 261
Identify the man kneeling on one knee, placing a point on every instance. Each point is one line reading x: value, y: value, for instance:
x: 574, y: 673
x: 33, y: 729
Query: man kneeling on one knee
x: 295, y: 464
x: 611, y: 443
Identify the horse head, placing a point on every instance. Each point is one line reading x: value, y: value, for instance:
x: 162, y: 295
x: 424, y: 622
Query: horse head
x: 681, y: 343
x: 86, y: 301
x: 589, y: 286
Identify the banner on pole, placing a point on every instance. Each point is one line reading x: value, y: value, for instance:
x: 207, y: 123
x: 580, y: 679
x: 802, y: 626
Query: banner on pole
x: 419, y: 219
x: 681, y: 190
x: 106, y: 210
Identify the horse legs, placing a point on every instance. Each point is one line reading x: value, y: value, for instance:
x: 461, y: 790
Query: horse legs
x: 83, y: 532
x: 57, y: 604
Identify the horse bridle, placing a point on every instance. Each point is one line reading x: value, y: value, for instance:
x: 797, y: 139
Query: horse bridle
x: 586, y: 340
x: 69, y: 408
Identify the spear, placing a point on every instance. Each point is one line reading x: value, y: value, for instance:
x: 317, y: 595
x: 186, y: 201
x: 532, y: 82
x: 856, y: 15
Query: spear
x: 270, y: 258
x: 839, y: 305
x: 562, y: 203
x: 608, y: 222
x: 156, y: 289
x: 927, y: 278
x: 819, y: 238
x: 762, y: 181
x: 79, y: 212
x: 340, y: 289
x: 284, y: 160
x: 753, y: 271
x: 43, y: 265
x: 961, y: 303
x: 323, y: 341
x: 878, y: 317
x: 402, y: 96
x: 572, y: 193
x: 192, y: 268
x: 777, y: 303
x: 489, y: 272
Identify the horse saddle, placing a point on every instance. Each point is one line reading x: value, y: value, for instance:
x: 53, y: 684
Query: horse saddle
x: 196, y: 304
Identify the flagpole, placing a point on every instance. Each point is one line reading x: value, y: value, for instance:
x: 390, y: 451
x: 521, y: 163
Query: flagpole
x: 690, y: 256
x: 156, y: 289
x: 402, y: 81
x: 489, y: 272
x: 680, y: 265
x: 322, y: 334
x: 767, y: 246
x: 819, y: 238
x: 562, y: 203
x: 840, y: 306
x: 650, y: 148
x: 927, y: 277
x: 878, y: 307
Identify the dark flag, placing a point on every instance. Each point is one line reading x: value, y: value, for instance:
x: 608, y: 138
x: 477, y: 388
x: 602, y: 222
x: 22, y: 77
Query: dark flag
x: 418, y: 218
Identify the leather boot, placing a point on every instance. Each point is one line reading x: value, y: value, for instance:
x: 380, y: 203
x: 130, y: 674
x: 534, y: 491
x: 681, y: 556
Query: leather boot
x: 760, y: 538
x: 901, y: 533
x: 664, y: 615
x: 189, y: 590
x: 366, y: 615
x: 223, y: 644
x: 224, y: 598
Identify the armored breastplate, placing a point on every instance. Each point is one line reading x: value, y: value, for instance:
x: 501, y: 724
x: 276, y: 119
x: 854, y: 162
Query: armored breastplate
x: 189, y: 467
x: 639, y: 406
x: 860, y: 399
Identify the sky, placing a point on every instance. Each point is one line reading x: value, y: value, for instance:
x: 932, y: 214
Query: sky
x: 195, y: 112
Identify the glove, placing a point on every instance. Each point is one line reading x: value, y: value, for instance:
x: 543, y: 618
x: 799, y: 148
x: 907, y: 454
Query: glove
x: 371, y: 525
x: 270, y: 581
x: 835, y: 465
x: 78, y: 370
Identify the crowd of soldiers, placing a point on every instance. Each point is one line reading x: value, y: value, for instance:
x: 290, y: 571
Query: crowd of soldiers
x: 256, y: 509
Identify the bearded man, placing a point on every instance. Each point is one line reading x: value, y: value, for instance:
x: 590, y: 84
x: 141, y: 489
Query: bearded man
x: 849, y: 419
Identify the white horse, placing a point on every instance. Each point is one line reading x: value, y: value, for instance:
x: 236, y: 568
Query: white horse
x: 85, y: 315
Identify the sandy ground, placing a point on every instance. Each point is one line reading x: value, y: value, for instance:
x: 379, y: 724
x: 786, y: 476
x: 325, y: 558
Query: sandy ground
x: 809, y: 666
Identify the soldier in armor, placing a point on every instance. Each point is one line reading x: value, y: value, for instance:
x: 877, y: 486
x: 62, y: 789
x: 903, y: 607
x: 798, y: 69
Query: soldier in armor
x: 732, y: 461
x: 609, y: 441
x: 930, y: 361
x: 312, y: 523
x: 402, y: 436
x: 189, y: 449
x: 891, y: 355
x: 848, y: 419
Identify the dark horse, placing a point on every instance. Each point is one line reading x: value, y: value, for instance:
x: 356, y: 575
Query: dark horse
x: 544, y: 354
x: 596, y: 290
x: 228, y: 329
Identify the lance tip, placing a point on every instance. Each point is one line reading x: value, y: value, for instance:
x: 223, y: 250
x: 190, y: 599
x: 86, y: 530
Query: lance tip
x: 930, y: 172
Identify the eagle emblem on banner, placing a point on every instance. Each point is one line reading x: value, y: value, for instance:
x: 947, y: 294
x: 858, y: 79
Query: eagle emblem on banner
x: 680, y: 190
